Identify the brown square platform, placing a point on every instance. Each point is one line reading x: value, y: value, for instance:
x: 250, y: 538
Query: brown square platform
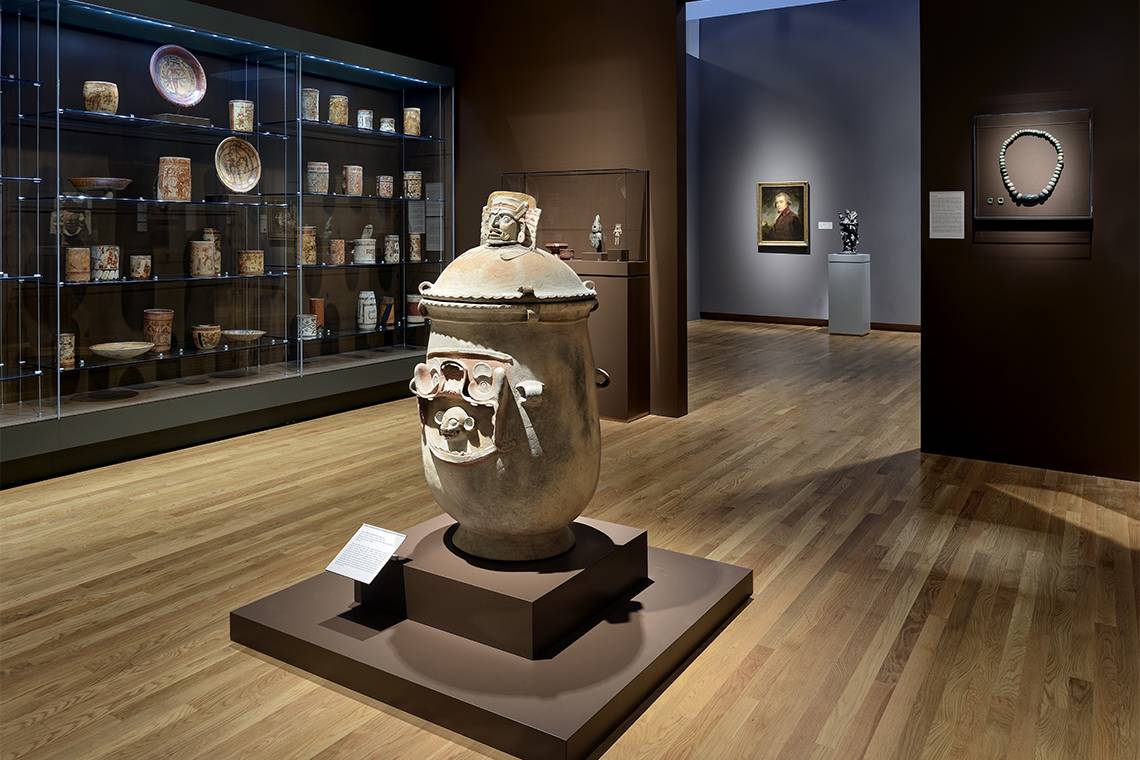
x: 562, y: 706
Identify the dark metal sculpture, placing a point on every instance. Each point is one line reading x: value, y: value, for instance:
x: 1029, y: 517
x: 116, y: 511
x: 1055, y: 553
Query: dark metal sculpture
x: 849, y: 230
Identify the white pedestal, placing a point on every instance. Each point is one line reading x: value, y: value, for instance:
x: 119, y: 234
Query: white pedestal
x: 849, y: 293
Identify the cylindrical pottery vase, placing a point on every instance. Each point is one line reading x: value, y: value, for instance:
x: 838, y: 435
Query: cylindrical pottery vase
x: 391, y: 249
x: 311, y: 104
x: 413, y: 185
x: 306, y: 326
x: 157, y: 327
x: 338, y: 110
x: 105, y: 262
x: 317, y: 309
x: 78, y: 265
x: 241, y: 115
x: 101, y: 97
x: 510, y: 439
x: 415, y: 248
x: 384, y: 186
x: 352, y: 180
x: 141, y: 267
x: 412, y: 121
x: 251, y: 263
x: 336, y: 252
x: 364, y: 119
x: 67, y: 350
x: 415, y: 316
x: 317, y: 177
x: 202, y: 254
x: 366, y: 310
x: 206, y: 337
x: 213, y: 235
x: 364, y: 251
x: 173, y: 178
x: 308, y: 245
x: 387, y: 124
x: 388, y: 312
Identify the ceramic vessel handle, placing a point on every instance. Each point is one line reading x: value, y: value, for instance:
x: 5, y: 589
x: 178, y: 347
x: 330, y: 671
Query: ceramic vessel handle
x: 601, y: 377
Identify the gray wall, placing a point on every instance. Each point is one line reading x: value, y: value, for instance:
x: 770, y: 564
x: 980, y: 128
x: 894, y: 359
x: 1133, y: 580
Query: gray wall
x: 828, y: 93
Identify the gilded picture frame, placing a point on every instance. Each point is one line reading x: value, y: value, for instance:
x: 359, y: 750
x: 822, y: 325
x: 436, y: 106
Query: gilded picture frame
x: 782, y: 215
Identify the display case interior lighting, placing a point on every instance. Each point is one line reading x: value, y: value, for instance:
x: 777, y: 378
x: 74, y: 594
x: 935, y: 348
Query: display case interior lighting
x: 367, y: 70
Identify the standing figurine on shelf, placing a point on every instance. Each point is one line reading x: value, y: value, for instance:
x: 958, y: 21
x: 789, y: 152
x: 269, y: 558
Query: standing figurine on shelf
x: 596, y: 233
x: 849, y: 230
x: 617, y: 235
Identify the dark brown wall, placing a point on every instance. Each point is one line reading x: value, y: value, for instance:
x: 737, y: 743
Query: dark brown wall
x: 550, y: 86
x: 1031, y: 354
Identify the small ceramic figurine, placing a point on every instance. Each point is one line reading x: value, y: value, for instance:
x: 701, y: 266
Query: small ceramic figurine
x: 849, y: 230
x: 617, y: 235
x: 596, y: 233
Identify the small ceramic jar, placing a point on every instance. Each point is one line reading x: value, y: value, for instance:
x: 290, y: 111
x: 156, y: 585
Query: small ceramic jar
x: 352, y: 180
x: 336, y: 252
x: 78, y: 265
x: 202, y: 253
x: 388, y: 312
x: 206, y: 337
x: 317, y: 177
x: 105, y: 262
x: 67, y: 350
x: 338, y: 110
x: 364, y: 251
x: 391, y: 249
x: 157, y: 327
x: 311, y: 104
x: 415, y: 248
x: 415, y: 317
x: 241, y: 115
x: 366, y: 310
x: 384, y: 186
x: 212, y: 234
x: 306, y: 326
x: 364, y: 119
x: 141, y: 267
x: 251, y: 262
x: 317, y: 309
x: 387, y: 124
x: 173, y: 178
x: 101, y: 97
x: 412, y: 121
x: 413, y: 185
x: 308, y: 245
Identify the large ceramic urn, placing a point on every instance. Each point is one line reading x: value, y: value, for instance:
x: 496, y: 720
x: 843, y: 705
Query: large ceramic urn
x: 510, y: 440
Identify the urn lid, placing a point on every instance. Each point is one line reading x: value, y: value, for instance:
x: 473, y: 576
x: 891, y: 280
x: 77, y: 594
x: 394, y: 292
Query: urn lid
x: 507, y: 267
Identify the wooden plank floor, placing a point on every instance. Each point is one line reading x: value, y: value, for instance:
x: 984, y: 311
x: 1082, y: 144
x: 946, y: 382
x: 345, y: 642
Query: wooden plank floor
x: 905, y: 606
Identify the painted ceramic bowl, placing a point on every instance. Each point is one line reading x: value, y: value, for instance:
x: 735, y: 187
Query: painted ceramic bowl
x: 100, y: 97
x: 238, y: 165
x: 99, y: 184
x: 206, y: 337
x: 178, y: 76
x: 243, y: 336
x: 121, y: 350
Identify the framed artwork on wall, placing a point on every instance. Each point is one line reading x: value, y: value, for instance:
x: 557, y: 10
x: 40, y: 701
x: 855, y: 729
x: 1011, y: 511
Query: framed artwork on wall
x: 782, y: 214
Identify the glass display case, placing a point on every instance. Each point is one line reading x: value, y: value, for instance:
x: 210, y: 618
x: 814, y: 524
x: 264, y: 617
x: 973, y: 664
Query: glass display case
x: 572, y: 200
x: 187, y: 210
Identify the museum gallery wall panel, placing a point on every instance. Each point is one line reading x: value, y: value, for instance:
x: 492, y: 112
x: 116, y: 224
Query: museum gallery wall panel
x: 826, y: 94
x: 1031, y: 350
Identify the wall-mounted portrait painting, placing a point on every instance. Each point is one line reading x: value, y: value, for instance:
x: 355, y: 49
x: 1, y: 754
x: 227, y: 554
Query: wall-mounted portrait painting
x: 781, y: 215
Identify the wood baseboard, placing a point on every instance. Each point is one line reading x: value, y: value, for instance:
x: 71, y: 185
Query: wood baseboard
x: 805, y: 321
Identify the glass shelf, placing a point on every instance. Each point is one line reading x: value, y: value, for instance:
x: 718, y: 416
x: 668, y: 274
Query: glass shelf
x: 341, y: 131
x: 161, y: 279
x: 77, y: 198
x: 130, y: 121
x: 374, y: 265
x: 371, y: 198
x: 22, y: 371
x: 13, y: 79
x: 326, y: 335
x: 5, y: 277
x: 36, y: 180
x: 98, y: 362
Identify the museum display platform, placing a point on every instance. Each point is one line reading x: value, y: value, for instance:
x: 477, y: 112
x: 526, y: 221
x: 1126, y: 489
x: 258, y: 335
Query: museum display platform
x: 849, y: 293
x: 541, y: 659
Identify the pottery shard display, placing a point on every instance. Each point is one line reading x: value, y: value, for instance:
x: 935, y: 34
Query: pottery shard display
x: 338, y: 110
x: 241, y: 115
x: 413, y: 185
x: 173, y: 178
x: 308, y: 244
x: 67, y: 350
x: 384, y: 186
x: 105, y: 262
x: 510, y: 439
x: 140, y: 267
x: 157, y: 327
x: 317, y: 177
x: 412, y: 121
x: 78, y: 265
x: 202, y: 254
x: 101, y: 97
x: 366, y: 310
x: 352, y: 180
x: 311, y: 104
x: 251, y: 262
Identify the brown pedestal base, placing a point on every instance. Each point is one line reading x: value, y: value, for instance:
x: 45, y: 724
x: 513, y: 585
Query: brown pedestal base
x: 562, y: 706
